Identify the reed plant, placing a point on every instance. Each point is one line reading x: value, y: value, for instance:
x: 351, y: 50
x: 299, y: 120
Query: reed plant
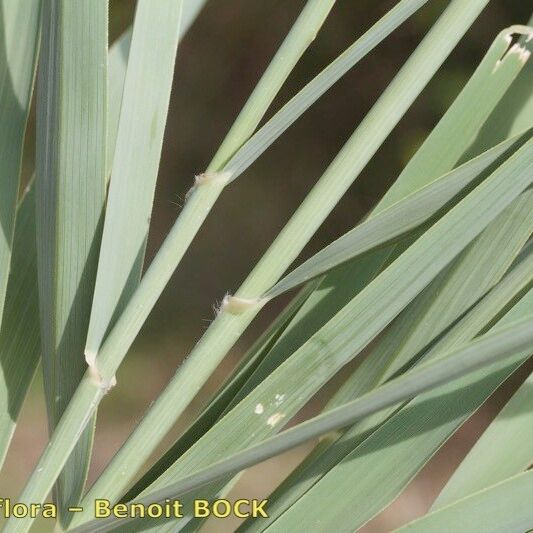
x: 432, y: 290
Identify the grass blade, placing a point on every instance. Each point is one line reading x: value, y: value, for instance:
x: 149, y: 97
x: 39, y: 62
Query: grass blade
x: 514, y: 112
x: 502, y: 507
x: 88, y: 395
x: 19, y: 32
x: 301, y: 35
x: 19, y: 334
x: 397, y: 220
x: 225, y: 396
x: 71, y: 137
x: 341, y: 285
x: 117, y: 63
x: 506, y: 342
x: 405, y: 442
x: 309, y: 23
x: 19, y: 340
x: 227, y: 327
x: 330, y: 451
x: 338, y: 286
x: 307, y: 96
x: 190, y: 11
x: 493, y: 77
x: 136, y: 161
x: 503, y: 450
x: 288, y: 388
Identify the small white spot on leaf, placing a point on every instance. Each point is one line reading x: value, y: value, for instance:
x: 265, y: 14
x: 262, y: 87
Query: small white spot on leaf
x: 275, y: 419
x: 279, y: 399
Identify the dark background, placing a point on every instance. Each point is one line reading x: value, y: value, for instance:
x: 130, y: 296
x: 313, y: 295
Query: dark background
x: 219, y: 62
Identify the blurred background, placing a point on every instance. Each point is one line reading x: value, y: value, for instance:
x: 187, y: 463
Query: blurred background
x: 219, y: 62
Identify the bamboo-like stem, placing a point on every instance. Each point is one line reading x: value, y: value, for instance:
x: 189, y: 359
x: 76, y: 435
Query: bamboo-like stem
x: 227, y: 328
x: 202, y: 198
x: 509, y: 341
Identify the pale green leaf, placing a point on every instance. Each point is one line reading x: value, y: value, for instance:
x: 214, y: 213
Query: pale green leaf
x: 447, y: 298
x: 399, y: 448
x: 449, y: 137
x: 19, y: 334
x: 302, y: 34
x: 502, y: 508
x: 288, y: 388
x: 331, y: 450
x: 307, y: 96
x: 70, y: 192
x: 225, y: 395
x: 511, y: 342
x: 395, y: 221
x: 227, y: 327
x: 117, y: 64
x: 139, y: 140
x: 90, y: 393
x: 19, y: 31
x: 502, y: 451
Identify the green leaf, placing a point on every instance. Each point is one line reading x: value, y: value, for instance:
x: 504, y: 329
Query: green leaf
x: 514, y: 112
x: 227, y: 327
x: 19, y: 334
x: 203, y: 197
x: 503, y: 450
x: 321, y: 83
x: 444, y: 301
x: 330, y: 451
x: 191, y: 10
x: 70, y: 188
x: 450, y: 137
x: 117, y: 64
x: 399, y: 448
x: 490, y: 82
x: 502, y: 507
x: 508, y: 342
x: 288, y: 388
x: 395, y: 221
x: 301, y: 35
x: 225, y: 395
x: 139, y: 141
x: 90, y: 393
x: 19, y: 340
x: 19, y: 31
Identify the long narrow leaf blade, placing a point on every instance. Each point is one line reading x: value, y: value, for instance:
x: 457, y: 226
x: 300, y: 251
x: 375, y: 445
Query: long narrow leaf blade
x: 19, y: 339
x: 227, y: 327
x: 88, y: 394
x: 449, y: 137
x: 19, y: 32
x: 136, y: 161
x: 505, y: 507
x: 468, y: 279
x: 225, y: 396
x: 395, y: 221
x: 306, y: 97
x: 118, y: 62
x: 298, y: 378
x: 329, y: 452
x: 506, y: 342
x: 405, y: 442
x: 71, y: 141
x: 503, y: 450
x: 19, y: 334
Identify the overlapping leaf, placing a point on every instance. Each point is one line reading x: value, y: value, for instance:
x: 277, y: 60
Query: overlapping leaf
x: 70, y: 189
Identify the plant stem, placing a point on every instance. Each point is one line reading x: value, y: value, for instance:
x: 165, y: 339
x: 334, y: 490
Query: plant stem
x: 227, y: 328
